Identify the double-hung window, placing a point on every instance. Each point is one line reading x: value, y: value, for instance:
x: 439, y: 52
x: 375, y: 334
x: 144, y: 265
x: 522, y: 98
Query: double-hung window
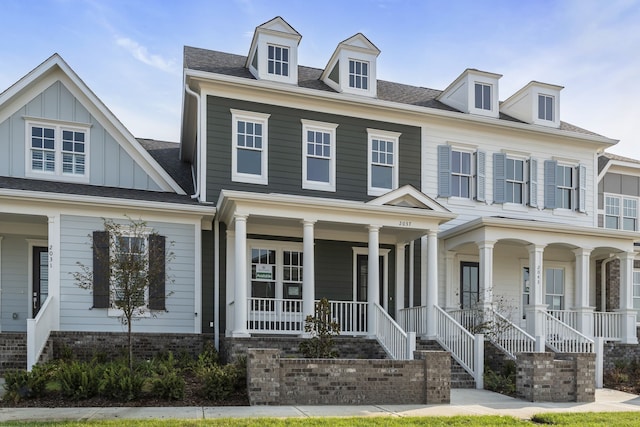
x: 58, y: 151
x: 461, y: 174
x: 249, y: 154
x: 515, y: 182
x: 545, y: 107
x: 620, y: 213
x: 565, y: 184
x: 483, y: 96
x: 612, y: 212
x: 358, y: 74
x: 318, y: 155
x: 629, y: 213
x: 278, y: 60
x: 383, y: 162
x: 555, y: 288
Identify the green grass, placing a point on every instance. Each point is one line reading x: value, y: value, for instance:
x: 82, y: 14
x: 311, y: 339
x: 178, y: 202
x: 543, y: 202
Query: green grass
x: 566, y: 419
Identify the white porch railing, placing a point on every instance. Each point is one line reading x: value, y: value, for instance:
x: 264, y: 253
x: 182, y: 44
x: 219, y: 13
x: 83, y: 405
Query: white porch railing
x: 510, y: 337
x: 275, y: 315
x: 351, y: 316
x: 607, y: 325
x: 453, y: 337
x: 468, y: 318
x: 38, y: 330
x: 569, y: 317
x: 414, y: 319
x: 396, y: 342
x: 562, y: 338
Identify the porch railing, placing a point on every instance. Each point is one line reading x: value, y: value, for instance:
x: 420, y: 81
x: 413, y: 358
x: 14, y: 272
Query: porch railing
x: 569, y: 317
x: 396, y: 342
x: 607, y: 325
x: 38, y: 330
x: 275, y: 315
x: 351, y: 316
x: 453, y: 337
x: 510, y: 337
x: 414, y: 319
x: 562, y: 338
x: 470, y: 319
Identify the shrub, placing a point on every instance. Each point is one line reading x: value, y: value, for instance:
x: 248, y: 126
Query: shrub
x: 120, y: 383
x: 79, y: 380
x: 26, y: 385
x: 168, y: 386
x: 322, y: 328
x: 503, y: 382
x: 218, y: 383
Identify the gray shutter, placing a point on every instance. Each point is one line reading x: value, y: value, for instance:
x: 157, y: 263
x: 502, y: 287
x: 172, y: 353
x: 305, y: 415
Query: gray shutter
x: 100, y: 269
x: 481, y: 175
x: 499, y: 177
x: 444, y: 171
x: 582, y: 188
x: 157, y: 276
x: 550, y: 184
x: 533, y: 183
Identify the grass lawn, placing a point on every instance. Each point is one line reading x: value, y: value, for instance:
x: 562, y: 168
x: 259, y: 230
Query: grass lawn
x: 567, y: 419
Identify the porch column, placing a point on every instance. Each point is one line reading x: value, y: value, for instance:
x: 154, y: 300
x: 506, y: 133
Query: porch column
x: 585, y: 312
x: 423, y: 270
x: 53, y: 243
x: 536, y: 292
x: 628, y: 314
x: 400, y: 256
x: 240, y: 291
x: 485, y: 287
x: 308, y: 270
x: 373, y: 277
x: 432, y: 281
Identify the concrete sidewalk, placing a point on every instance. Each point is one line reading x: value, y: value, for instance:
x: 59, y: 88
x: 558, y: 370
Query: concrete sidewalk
x: 463, y: 402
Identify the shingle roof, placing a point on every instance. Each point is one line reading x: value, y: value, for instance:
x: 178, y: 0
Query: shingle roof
x: 234, y: 65
x: 604, y: 158
x: 93, y: 190
x: 168, y: 155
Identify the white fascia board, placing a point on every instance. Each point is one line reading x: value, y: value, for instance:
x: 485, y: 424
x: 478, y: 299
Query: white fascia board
x: 105, y: 202
x: 56, y: 69
x: 361, y: 101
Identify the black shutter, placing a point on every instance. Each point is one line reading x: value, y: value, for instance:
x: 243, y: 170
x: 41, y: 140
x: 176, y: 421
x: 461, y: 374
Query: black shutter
x: 100, y: 269
x: 157, y: 274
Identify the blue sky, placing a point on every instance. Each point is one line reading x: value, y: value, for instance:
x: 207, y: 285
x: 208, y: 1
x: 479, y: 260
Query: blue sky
x: 129, y: 52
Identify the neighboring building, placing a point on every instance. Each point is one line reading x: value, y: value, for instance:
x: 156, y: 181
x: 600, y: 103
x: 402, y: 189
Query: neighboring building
x: 67, y: 163
x: 465, y: 202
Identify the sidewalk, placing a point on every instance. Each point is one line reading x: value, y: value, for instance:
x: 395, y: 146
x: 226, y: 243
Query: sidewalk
x: 463, y: 402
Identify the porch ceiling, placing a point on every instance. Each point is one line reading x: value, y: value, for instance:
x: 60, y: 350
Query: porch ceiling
x: 25, y: 219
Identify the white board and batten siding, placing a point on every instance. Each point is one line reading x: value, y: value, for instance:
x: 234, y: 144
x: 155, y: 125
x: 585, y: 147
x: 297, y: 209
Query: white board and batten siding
x: 109, y: 163
x: 76, y: 313
x: 515, y: 144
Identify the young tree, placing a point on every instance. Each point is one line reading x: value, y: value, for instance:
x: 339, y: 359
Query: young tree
x: 128, y: 272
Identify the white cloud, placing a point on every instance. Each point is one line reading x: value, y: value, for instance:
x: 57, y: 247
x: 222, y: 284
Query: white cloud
x: 142, y: 54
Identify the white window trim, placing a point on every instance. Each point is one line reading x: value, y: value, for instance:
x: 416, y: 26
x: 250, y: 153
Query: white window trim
x: 274, y: 76
x: 393, y: 137
x: 382, y: 252
x: 58, y: 126
x: 633, y: 297
x: 472, y: 176
x: 565, y: 282
x: 143, y: 311
x: 490, y: 95
x: 279, y: 248
x: 263, y: 119
x: 525, y: 182
x: 574, y: 186
x: 553, y: 108
x: 621, y: 216
x: 330, y: 128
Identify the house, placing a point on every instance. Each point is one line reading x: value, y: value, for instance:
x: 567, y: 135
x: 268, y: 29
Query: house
x: 397, y: 202
x: 67, y: 165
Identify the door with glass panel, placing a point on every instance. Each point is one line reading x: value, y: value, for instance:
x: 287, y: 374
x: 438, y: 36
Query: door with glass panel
x: 469, y: 285
x: 554, y: 286
x: 40, y: 287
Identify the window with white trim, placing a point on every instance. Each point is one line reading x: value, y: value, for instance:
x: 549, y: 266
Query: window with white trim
x: 383, y: 162
x: 636, y: 293
x: 483, y: 96
x: 545, y: 107
x: 515, y: 181
x: 249, y: 156
x: 132, y: 254
x: 461, y: 174
x: 278, y: 60
x: 555, y: 288
x: 358, y: 74
x: 565, y: 184
x: 57, y: 150
x: 318, y: 155
x: 620, y: 213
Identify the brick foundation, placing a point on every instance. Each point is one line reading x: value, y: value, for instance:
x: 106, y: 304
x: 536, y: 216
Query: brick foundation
x: 549, y: 377
x: 272, y: 380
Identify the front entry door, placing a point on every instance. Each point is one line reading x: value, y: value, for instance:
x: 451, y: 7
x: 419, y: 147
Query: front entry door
x: 469, y: 280
x: 362, y: 277
x: 40, y: 289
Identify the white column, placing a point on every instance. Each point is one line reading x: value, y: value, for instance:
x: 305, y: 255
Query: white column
x: 241, y: 284
x: 53, y: 240
x: 423, y: 270
x: 450, y: 285
x: 373, y: 276
x: 230, y: 282
x: 485, y: 287
x: 626, y: 299
x: 400, y: 256
x: 308, y: 269
x: 412, y: 272
x: 536, y: 291
x: 585, y: 312
x: 432, y: 281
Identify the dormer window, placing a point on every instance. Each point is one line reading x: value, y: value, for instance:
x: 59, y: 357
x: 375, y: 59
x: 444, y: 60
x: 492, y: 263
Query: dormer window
x: 358, y: 74
x: 483, y: 96
x: 545, y: 107
x: 278, y: 60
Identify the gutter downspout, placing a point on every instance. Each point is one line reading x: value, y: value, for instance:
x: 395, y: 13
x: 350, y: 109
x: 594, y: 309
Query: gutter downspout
x: 603, y: 282
x: 191, y: 92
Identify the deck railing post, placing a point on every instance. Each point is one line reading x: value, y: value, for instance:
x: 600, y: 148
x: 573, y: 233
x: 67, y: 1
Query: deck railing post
x: 478, y: 362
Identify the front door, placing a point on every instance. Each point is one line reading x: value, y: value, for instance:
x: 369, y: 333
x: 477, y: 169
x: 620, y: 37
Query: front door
x: 469, y: 280
x: 40, y: 289
x: 362, y: 278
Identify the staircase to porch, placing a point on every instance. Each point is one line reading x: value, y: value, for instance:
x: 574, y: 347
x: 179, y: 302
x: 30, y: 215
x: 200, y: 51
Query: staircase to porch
x: 13, y: 351
x: 460, y: 378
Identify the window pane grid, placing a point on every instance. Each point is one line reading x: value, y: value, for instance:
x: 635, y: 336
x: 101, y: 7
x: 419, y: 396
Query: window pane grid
x: 249, y: 135
x: 565, y: 186
x: 358, y: 74
x: 460, y: 174
x: 73, y: 147
x: 545, y: 107
x: 278, y: 60
x: 483, y: 96
x: 319, y: 144
x: 515, y: 180
x: 382, y: 152
x: 43, y: 155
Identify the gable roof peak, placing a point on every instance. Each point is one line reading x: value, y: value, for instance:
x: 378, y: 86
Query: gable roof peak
x: 360, y: 41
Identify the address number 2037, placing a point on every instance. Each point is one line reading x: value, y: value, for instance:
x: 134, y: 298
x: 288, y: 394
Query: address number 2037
x: 404, y: 223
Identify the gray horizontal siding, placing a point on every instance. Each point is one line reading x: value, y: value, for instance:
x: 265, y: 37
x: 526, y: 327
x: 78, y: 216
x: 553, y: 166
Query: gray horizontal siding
x: 76, y: 303
x: 285, y: 151
x: 620, y: 184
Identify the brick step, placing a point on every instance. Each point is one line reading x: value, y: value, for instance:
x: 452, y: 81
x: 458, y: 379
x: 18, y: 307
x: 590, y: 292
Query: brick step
x: 460, y: 378
x: 13, y: 351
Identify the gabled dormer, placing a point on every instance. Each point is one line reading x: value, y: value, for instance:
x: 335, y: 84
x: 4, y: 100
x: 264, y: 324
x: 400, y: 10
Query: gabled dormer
x: 274, y: 52
x: 536, y: 103
x: 473, y: 92
x: 352, y: 67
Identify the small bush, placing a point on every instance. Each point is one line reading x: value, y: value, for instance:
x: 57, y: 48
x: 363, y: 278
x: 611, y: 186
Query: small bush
x: 218, y: 383
x: 79, y: 380
x: 21, y: 385
x: 121, y: 384
x: 322, y: 329
x: 169, y: 386
x: 501, y: 382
